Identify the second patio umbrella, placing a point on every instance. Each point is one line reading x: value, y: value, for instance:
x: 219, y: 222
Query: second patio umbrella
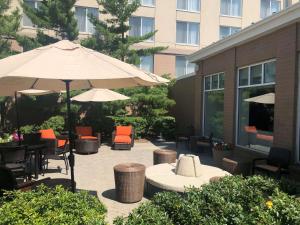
x: 99, y: 95
x: 57, y: 66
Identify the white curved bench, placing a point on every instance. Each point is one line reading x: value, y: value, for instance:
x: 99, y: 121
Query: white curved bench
x: 162, y: 176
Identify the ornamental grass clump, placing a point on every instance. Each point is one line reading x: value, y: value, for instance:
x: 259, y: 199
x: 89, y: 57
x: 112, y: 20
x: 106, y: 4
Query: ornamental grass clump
x: 46, y: 206
x: 232, y: 200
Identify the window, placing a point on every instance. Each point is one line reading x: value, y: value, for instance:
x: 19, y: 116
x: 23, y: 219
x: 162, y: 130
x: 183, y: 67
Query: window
x: 188, y: 5
x: 148, y: 2
x: 287, y: 3
x: 231, y: 7
x: 214, y: 105
x: 146, y: 63
x: 227, y: 31
x: 183, y: 66
x: 256, y: 94
x: 268, y: 7
x: 140, y: 26
x: 83, y: 19
x: 187, y: 33
x: 33, y: 4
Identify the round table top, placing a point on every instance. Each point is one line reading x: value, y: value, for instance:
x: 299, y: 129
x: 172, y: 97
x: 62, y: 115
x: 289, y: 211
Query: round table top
x: 163, y: 176
x: 165, y: 151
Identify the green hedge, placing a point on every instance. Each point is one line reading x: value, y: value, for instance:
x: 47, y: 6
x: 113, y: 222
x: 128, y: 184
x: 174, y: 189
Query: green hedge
x: 233, y: 200
x: 46, y: 206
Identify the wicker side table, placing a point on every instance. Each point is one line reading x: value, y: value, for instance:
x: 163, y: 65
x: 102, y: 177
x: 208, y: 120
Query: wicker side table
x: 129, y: 181
x: 164, y: 156
x: 85, y: 146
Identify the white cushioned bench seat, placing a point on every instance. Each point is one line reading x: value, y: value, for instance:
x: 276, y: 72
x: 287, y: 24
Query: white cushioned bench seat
x: 163, y: 176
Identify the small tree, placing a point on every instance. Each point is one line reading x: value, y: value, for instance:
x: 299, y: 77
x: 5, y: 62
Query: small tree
x: 110, y: 36
x: 54, y: 15
x: 9, y: 25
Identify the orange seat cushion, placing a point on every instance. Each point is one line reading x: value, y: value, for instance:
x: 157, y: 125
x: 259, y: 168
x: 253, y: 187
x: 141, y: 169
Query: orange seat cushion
x: 122, y: 139
x: 61, y: 143
x: 123, y: 130
x: 265, y: 137
x: 48, y: 134
x: 88, y: 137
x: 84, y: 131
x: 251, y: 129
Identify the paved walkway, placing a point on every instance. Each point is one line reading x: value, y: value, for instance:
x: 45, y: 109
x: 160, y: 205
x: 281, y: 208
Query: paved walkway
x: 94, y: 173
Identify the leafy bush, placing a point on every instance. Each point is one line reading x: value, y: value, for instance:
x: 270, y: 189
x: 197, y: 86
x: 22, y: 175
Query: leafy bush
x: 166, y: 126
x: 57, y: 123
x: 232, y: 200
x: 51, y: 206
x: 138, y: 123
x: 27, y: 129
x: 151, y: 215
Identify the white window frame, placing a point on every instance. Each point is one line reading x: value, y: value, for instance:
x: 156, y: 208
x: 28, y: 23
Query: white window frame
x: 188, y: 33
x: 230, y: 14
x: 270, y: 12
x: 141, y: 33
x: 185, y: 68
x: 188, y: 6
x: 86, y: 18
x: 210, y: 90
x: 230, y: 31
x: 142, y: 4
x: 35, y: 7
x: 247, y: 86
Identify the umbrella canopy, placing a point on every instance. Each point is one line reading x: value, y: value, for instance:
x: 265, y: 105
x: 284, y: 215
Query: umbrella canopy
x: 99, y: 95
x: 35, y: 92
x: 44, y: 68
x: 70, y: 66
x: 263, y: 99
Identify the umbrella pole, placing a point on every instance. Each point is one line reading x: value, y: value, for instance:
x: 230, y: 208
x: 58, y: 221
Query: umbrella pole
x: 18, y: 118
x: 71, y: 136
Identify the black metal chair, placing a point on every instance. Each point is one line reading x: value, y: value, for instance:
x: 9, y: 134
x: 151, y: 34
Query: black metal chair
x: 276, y: 163
x: 16, y: 159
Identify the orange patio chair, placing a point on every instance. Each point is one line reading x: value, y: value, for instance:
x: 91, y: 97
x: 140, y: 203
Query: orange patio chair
x: 86, y: 133
x: 123, y: 138
x: 55, y: 146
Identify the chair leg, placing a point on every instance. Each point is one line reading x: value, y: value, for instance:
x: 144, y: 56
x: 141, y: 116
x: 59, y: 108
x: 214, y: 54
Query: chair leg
x: 66, y: 162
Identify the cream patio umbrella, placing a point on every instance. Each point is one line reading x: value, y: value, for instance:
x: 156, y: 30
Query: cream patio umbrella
x: 268, y: 98
x: 99, y: 95
x: 65, y: 65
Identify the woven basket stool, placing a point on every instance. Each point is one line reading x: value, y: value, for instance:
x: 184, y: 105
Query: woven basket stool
x: 164, y: 156
x: 129, y: 181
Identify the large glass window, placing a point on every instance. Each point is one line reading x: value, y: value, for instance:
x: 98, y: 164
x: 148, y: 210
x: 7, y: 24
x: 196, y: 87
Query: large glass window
x: 287, y: 3
x: 187, y: 33
x: 183, y: 66
x: 188, y: 5
x: 231, y: 7
x: 140, y: 26
x: 83, y: 20
x: 148, y: 2
x: 227, y: 31
x: 214, y: 105
x: 268, y: 7
x: 33, y: 4
x: 256, y: 100
x: 146, y: 63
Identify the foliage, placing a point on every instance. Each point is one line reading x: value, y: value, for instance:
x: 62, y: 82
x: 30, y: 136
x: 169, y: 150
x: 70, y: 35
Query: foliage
x: 151, y: 215
x: 166, y: 125
x: 27, y: 129
x: 57, y: 123
x: 139, y: 124
x: 110, y: 35
x: 232, y: 200
x: 51, y: 206
x: 51, y: 15
x: 6, y: 138
x: 9, y: 25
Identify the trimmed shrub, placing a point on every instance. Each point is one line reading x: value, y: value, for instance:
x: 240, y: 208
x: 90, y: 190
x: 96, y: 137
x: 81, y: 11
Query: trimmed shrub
x: 27, y: 129
x: 166, y: 126
x: 57, y: 123
x: 151, y: 214
x: 51, y: 207
x: 232, y: 200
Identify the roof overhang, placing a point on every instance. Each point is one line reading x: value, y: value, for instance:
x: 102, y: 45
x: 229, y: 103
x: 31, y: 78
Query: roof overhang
x: 254, y: 31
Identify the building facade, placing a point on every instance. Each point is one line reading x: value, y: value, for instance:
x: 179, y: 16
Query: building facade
x: 246, y: 90
x: 184, y: 26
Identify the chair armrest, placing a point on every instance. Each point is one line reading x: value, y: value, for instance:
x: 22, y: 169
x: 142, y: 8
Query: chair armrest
x: 113, y: 135
x: 98, y: 135
x: 258, y: 159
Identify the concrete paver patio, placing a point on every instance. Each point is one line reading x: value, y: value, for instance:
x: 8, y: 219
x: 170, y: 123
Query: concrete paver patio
x: 94, y: 173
